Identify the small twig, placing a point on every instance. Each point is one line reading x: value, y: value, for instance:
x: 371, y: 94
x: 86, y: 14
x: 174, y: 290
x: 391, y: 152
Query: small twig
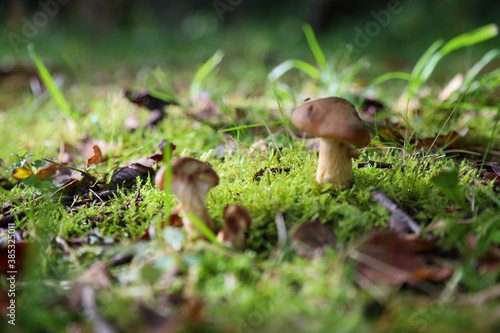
x: 98, y: 197
x: 481, y: 297
x: 92, y: 313
x: 281, y: 228
x: 282, y: 238
x: 378, y: 165
x: 399, y: 221
x: 86, y: 175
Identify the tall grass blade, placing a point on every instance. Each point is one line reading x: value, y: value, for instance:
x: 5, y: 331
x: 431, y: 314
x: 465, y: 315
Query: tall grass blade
x: 158, y: 85
x: 490, y: 141
x: 283, y: 117
x: 314, y: 46
x: 478, y: 66
x: 470, y: 38
x: 287, y: 65
x: 467, y: 39
x: 424, y: 58
x: 49, y: 82
x: 253, y: 125
x: 390, y: 76
x: 203, y: 72
x: 203, y: 228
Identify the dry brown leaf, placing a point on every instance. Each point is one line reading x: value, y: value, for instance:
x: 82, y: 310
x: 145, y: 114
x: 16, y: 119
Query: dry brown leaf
x: 96, y: 158
x: 387, y: 258
x: 311, y: 239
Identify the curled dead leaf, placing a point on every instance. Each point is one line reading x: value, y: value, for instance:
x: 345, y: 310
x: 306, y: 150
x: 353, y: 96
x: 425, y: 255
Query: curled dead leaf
x: 386, y: 257
x: 96, y: 158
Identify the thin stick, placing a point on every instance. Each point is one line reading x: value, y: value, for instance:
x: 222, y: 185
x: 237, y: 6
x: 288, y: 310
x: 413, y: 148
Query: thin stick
x: 399, y: 221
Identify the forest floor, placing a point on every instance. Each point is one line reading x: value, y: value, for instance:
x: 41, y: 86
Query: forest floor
x: 411, y: 246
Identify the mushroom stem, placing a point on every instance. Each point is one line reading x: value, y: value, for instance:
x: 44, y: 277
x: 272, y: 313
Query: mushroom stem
x: 237, y: 221
x: 201, y: 212
x: 334, y: 165
x: 192, y: 200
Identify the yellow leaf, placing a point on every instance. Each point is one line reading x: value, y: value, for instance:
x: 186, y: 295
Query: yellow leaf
x: 22, y: 173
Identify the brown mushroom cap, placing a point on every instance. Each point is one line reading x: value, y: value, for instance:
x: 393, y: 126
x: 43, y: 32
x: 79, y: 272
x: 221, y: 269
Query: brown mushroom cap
x: 234, y: 215
x: 191, y: 171
x: 332, y: 118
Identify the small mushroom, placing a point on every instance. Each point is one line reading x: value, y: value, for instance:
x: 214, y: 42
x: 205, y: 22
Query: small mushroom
x: 160, y: 178
x: 191, y: 181
x: 337, y: 123
x: 237, y: 221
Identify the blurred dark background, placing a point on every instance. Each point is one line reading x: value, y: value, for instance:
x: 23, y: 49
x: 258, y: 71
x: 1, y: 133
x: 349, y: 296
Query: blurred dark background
x: 110, y: 33
x: 103, y: 15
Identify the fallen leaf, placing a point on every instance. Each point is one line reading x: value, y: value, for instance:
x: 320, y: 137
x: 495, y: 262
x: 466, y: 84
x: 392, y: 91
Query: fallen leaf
x: 142, y: 168
x: 391, y: 133
x: 399, y: 134
x: 154, y: 104
x: 386, y: 257
x: 21, y: 173
x: 490, y: 171
x: 96, y: 158
x: 6, y: 220
x: 146, y: 100
x: 448, y: 141
x: 258, y: 175
x: 311, y: 239
x: 51, y: 170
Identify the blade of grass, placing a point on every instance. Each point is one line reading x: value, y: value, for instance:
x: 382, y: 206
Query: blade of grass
x: 390, y: 76
x: 252, y: 125
x: 49, y: 82
x: 446, y: 122
x: 314, y: 46
x: 283, y: 117
x: 467, y: 39
x: 490, y: 141
x: 478, y: 66
x: 272, y: 137
x: 203, y: 229
x: 163, y: 96
x: 424, y: 58
x: 123, y: 158
x: 470, y: 38
x: 300, y: 65
x: 158, y: 85
x: 203, y: 72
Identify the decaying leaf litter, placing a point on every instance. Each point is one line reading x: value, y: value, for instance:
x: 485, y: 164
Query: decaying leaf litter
x: 419, y: 220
